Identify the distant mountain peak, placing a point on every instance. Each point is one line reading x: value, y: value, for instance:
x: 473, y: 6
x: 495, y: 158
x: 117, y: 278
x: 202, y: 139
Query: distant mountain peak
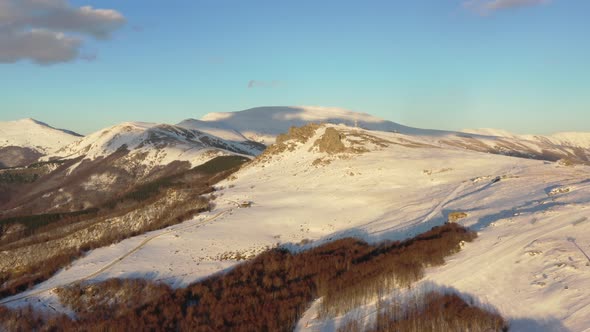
x: 308, y: 113
x: 264, y: 124
x: 31, y: 121
x: 34, y: 134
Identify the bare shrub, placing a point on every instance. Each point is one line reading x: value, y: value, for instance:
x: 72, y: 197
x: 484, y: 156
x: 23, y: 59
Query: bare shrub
x: 435, y: 312
x: 389, y: 266
x: 111, y: 297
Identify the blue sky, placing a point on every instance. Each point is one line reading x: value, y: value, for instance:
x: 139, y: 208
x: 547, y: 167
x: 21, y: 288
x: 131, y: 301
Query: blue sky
x: 520, y: 65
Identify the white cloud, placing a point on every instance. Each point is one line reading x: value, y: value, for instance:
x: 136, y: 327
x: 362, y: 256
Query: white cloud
x: 51, y: 31
x: 485, y: 7
x: 38, y: 45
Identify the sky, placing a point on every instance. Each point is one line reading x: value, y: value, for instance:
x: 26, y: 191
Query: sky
x: 519, y: 65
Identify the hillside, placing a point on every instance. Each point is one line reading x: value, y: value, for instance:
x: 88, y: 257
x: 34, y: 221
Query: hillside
x: 101, y: 166
x: 160, y: 143
x: 322, y: 183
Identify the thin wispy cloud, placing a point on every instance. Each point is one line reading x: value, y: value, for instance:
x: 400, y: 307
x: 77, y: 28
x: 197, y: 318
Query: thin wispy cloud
x: 263, y: 84
x: 51, y: 31
x: 487, y: 7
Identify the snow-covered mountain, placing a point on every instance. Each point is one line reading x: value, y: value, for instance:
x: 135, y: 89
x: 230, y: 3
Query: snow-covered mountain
x: 35, y: 135
x: 99, y: 166
x: 23, y: 141
x: 156, y: 144
x: 264, y: 124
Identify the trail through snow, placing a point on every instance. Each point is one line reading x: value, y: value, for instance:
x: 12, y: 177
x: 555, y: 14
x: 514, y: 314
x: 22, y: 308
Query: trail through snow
x: 114, y: 262
x: 438, y: 209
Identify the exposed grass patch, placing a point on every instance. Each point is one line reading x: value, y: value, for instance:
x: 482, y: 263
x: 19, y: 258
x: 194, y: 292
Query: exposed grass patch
x: 456, y: 215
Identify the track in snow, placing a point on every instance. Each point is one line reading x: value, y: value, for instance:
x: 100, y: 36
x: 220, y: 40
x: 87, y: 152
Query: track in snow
x: 115, y: 262
x: 438, y: 209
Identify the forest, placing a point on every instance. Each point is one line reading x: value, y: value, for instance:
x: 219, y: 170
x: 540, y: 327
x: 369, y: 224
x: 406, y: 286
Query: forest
x: 267, y: 293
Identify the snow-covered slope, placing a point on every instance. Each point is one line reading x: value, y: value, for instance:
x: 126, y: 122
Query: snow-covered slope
x: 566, y: 139
x: 157, y: 144
x: 327, y: 182
x: 490, y: 132
x: 263, y: 124
x: 35, y: 135
x: 573, y: 139
x: 213, y: 128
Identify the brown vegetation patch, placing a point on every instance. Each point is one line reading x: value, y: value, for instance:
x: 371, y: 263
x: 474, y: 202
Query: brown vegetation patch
x: 111, y: 296
x: 571, y: 162
x: 364, y: 139
x: 15, y: 156
x: 470, y: 143
x: 268, y: 293
x: 14, y: 182
x: 432, y: 312
x: 321, y: 162
x: 234, y: 256
x: 389, y: 266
